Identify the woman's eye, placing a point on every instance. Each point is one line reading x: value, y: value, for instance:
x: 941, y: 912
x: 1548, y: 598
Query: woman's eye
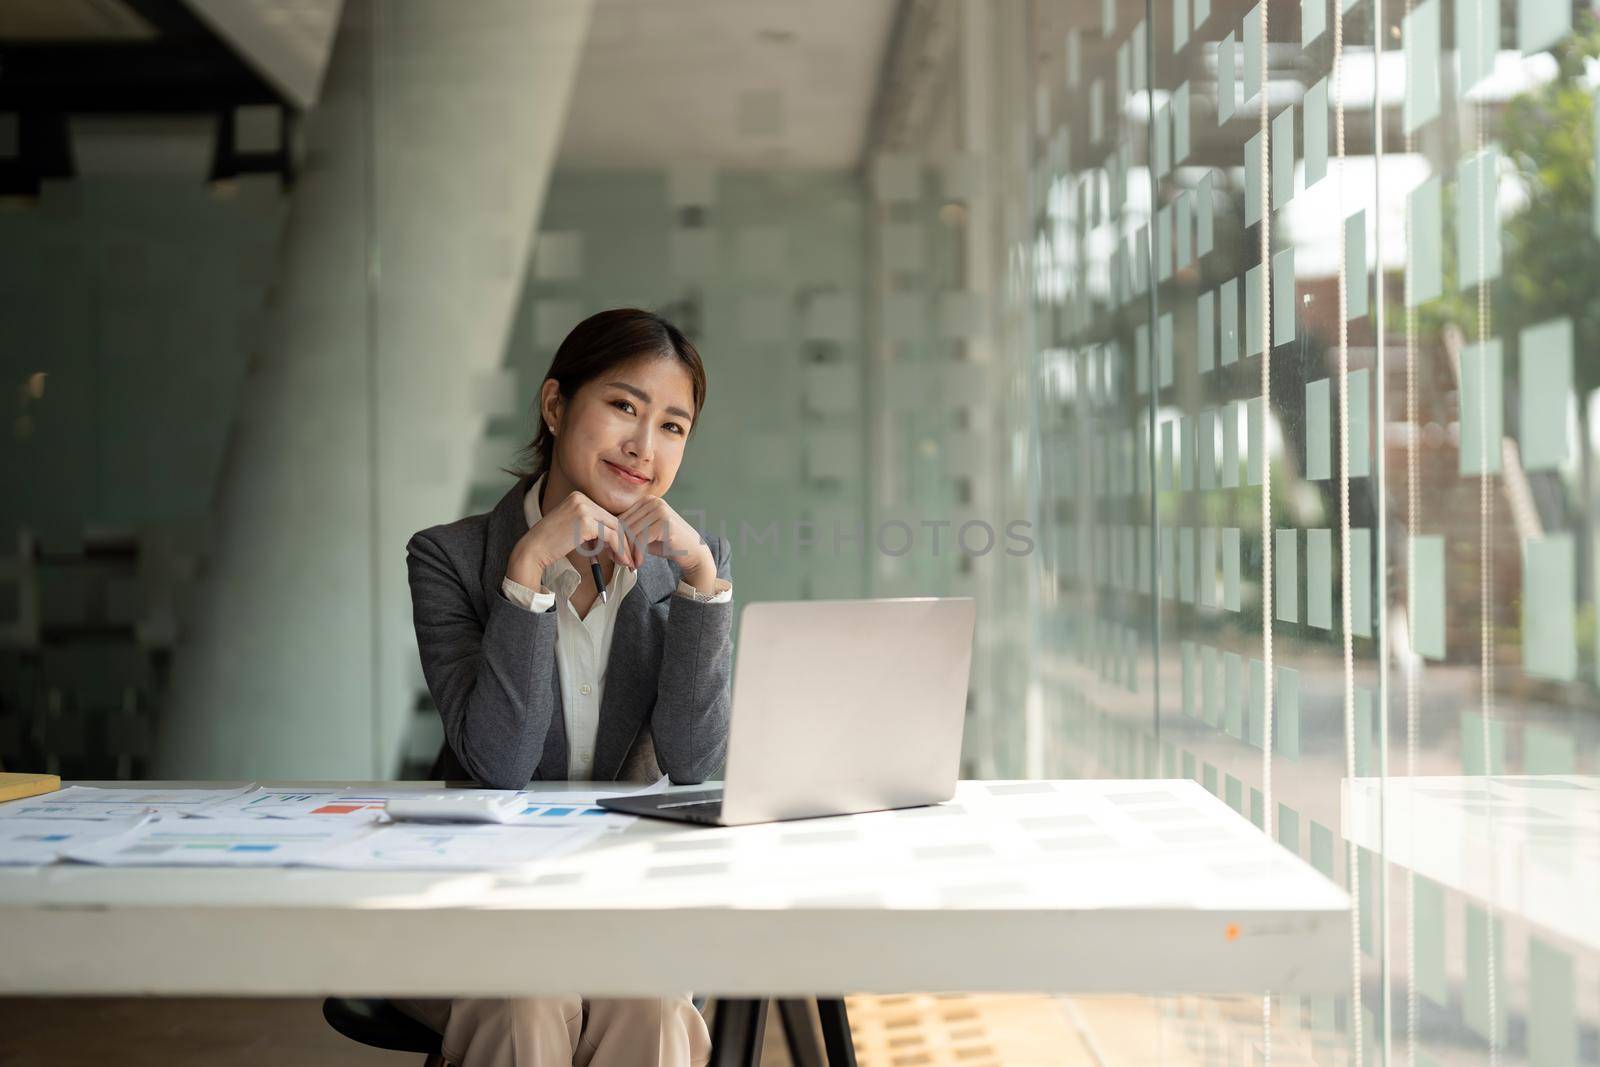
x: 623, y: 404
x: 676, y: 428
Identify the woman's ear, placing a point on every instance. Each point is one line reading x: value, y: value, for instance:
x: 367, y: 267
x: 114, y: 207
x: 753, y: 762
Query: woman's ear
x: 550, y: 404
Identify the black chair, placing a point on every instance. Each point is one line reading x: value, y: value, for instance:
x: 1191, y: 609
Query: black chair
x: 376, y: 1022
x: 737, y: 1033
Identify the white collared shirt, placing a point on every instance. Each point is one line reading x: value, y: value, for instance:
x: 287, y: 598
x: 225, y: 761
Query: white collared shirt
x: 583, y: 645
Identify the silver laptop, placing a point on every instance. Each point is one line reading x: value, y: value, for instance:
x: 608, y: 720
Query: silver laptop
x: 839, y: 706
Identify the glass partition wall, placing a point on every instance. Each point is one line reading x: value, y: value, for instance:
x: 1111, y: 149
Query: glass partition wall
x: 1302, y: 295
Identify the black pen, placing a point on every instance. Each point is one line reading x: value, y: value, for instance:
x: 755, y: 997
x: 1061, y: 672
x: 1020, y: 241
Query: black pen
x: 599, y: 582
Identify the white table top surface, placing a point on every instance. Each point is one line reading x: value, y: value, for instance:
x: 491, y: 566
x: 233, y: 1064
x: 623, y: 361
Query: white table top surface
x: 1093, y: 885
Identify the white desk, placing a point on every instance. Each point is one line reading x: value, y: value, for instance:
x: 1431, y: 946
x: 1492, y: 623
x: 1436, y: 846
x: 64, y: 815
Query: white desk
x: 1074, y: 886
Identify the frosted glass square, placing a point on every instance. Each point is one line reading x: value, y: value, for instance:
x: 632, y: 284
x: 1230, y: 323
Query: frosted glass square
x: 1360, y: 395
x: 1180, y: 124
x: 1252, y: 311
x: 1205, y: 474
x: 1191, y: 678
x: 1552, y: 1001
x: 1319, y: 579
x: 1478, y: 218
x: 1319, y: 430
x: 1205, y: 214
x: 1164, y: 480
x: 1186, y: 564
x: 1207, y: 567
x: 1314, y: 126
x: 1286, y: 575
x: 1230, y: 445
x: 1228, y: 321
x: 1428, y: 941
x: 1282, y: 152
x: 1183, y: 230
x: 1427, y: 229
x: 1426, y: 600
x: 1541, y: 23
x: 1180, y: 25
x: 1251, y: 31
x: 1313, y: 20
x: 1186, y: 453
x: 1477, y: 41
x: 1420, y: 38
x: 1252, y: 180
x: 1230, y: 568
x: 1233, y: 693
x: 1254, y: 455
x: 1288, y: 837
x: 1164, y: 350
x: 1163, y: 141
x: 1164, y: 243
x: 1545, y: 386
x: 1256, y: 726
x: 1227, y: 77
x: 1169, y: 562
x: 1210, y: 685
x: 1480, y: 409
x: 1366, y: 766
x: 1283, y: 297
x: 1549, y: 585
x: 1286, y: 713
x: 1361, y: 582
x: 1355, y: 265
x: 1206, y: 329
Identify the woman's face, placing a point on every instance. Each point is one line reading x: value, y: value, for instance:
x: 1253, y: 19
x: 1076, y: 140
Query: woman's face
x: 621, y: 436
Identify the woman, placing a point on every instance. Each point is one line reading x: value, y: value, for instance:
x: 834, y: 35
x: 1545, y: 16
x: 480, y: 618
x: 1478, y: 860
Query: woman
x: 535, y: 677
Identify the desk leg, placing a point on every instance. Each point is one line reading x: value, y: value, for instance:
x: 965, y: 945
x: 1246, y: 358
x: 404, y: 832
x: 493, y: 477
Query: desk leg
x: 836, y: 1032
x: 799, y: 1034
x: 738, y: 1028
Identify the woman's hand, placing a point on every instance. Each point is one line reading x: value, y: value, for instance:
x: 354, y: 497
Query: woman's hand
x: 576, y: 522
x: 662, y: 531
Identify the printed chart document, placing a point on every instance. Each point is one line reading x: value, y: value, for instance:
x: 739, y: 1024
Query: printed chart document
x: 344, y: 804
x: 92, y: 802
x: 455, y: 846
x: 574, y: 807
x: 588, y: 796
x: 35, y: 842
x: 251, y: 842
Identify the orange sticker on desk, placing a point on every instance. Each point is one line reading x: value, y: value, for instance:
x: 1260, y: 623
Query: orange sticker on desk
x: 1232, y: 932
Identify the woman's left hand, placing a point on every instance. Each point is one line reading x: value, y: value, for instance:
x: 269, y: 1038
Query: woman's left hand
x: 663, y: 532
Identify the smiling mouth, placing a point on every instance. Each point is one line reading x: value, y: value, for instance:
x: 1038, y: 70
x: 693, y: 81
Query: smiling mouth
x: 626, y: 474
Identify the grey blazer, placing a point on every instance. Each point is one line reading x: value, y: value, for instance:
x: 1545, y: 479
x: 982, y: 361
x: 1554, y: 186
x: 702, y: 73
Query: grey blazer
x: 490, y: 664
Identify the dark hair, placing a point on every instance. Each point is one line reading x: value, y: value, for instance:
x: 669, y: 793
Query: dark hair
x: 597, y: 344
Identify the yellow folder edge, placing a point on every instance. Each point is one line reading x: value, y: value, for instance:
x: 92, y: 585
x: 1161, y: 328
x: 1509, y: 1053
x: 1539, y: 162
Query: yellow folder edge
x: 14, y: 786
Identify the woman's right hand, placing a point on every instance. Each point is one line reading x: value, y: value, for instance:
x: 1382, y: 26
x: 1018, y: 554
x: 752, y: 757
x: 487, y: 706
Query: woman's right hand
x: 576, y: 521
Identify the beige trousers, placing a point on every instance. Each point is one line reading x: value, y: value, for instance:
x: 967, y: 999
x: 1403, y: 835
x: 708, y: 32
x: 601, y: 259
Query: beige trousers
x: 570, y: 1030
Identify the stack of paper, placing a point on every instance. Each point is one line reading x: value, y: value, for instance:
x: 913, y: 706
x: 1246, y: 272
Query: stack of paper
x: 90, y: 802
x: 348, y: 805
x: 33, y: 842
x: 218, y: 843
